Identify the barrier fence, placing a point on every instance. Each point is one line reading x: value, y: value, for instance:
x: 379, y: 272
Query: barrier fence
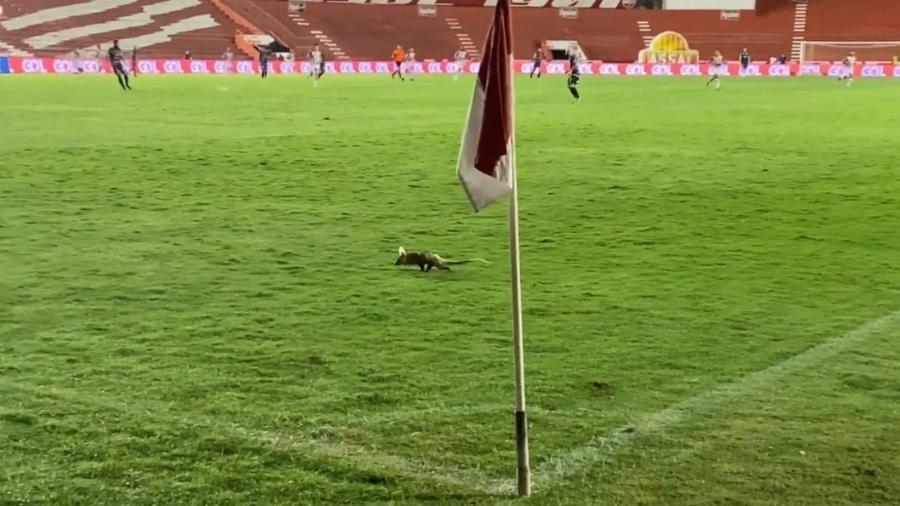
x: 17, y: 65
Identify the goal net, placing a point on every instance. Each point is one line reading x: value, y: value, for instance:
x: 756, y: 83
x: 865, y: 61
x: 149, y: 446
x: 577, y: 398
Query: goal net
x: 872, y: 51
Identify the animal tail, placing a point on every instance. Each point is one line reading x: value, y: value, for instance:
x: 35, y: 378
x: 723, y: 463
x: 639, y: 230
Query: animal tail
x: 466, y: 261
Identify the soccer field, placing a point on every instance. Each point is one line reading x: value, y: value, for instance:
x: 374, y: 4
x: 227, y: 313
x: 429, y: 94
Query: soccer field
x: 198, y: 301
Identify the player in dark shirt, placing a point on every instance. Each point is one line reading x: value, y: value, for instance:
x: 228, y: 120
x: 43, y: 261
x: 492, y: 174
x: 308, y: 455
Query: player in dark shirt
x: 574, y: 77
x: 536, y: 61
x: 115, y: 59
x: 264, y: 62
x: 745, y: 60
x: 134, y: 62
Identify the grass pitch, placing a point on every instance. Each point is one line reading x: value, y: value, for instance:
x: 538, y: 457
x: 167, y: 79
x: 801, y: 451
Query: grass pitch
x: 198, y: 303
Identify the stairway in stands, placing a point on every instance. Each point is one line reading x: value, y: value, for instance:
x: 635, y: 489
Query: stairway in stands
x: 800, y: 11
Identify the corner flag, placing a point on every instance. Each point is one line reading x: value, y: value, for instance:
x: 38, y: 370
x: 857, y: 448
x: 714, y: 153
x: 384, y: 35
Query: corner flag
x: 485, y: 156
x: 487, y: 171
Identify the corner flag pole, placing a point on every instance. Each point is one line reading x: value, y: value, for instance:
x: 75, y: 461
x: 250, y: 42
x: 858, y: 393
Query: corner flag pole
x: 487, y: 170
x: 523, y: 474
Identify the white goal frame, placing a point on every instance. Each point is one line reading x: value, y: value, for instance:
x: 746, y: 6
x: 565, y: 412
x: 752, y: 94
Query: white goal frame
x: 848, y: 44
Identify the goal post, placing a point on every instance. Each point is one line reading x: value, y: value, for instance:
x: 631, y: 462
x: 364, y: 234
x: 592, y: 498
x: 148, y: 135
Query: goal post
x: 866, y: 51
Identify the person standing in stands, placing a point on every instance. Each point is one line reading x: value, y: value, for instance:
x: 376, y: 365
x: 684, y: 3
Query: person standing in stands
x: 115, y: 59
x: 264, y: 62
x: 399, y: 55
x: 134, y: 61
x: 745, y: 61
x: 536, y: 61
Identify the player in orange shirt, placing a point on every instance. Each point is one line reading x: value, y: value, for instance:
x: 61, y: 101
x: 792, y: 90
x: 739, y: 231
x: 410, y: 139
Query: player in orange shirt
x: 399, y: 56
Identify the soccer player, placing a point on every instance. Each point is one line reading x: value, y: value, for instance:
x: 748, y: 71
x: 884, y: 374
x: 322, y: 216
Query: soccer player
x: 715, y: 68
x: 411, y: 63
x: 79, y: 68
x: 398, y: 55
x: 460, y: 57
x: 99, y: 55
x: 311, y: 62
x: 745, y: 61
x: 574, y: 77
x: 228, y: 57
x: 317, y: 58
x: 536, y: 62
x: 134, y: 61
x: 115, y: 59
x: 849, y: 63
x: 264, y: 62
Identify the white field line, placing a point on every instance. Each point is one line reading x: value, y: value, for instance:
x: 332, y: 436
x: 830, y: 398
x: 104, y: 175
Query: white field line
x: 549, y: 473
x: 421, y: 469
x: 561, y: 466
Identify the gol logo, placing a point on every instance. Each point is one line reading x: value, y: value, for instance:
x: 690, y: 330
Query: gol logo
x: 148, y: 67
x: 873, y: 71
x: 635, y: 69
x: 32, y: 65
x: 556, y: 68
x: 62, y: 66
x: 690, y: 69
x: 609, y: 69
x: 661, y: 70
x: 172, y: 67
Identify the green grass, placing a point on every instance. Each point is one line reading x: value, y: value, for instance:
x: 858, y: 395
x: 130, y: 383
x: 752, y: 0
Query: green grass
x: 198, y: 302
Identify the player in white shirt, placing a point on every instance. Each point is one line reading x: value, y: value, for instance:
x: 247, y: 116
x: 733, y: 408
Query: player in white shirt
x: 78, y: 67
x: 460, y: 57
x: 228, y: 56
x: 716, y: 66
x: 849, y: 63
x: 101, y: 57
x: 411, y: 63
x: 317, y: 62
x: 311, y: 62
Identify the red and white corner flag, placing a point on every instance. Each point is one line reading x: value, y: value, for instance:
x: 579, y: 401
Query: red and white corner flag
x: 485, y: 165
x: 487, y: 170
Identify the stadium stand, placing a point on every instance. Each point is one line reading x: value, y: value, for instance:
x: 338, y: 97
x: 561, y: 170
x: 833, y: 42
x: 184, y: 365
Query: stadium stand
x: 358, y: 30
x: 163, y: 28
x: 370, y: 31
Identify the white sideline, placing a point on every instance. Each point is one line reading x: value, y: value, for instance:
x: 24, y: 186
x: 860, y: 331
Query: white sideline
x: 63, y: 12
x: 143, y: 18
x: 561, y: 466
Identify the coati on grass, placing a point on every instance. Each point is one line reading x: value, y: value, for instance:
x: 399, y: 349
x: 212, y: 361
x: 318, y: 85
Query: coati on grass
x: 426, y: 260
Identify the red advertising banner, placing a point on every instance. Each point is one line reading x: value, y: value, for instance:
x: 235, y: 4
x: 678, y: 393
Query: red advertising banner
x: 67, y: 66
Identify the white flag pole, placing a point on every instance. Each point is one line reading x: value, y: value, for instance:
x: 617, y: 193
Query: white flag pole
x: 523, y: 474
